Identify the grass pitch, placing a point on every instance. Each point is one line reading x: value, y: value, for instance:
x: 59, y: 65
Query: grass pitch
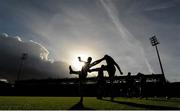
x: 65, y: 103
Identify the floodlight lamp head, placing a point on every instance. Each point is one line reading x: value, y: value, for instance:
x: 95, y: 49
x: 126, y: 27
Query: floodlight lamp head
x: 154, y: 41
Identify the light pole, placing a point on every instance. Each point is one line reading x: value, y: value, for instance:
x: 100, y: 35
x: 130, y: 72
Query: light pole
x: 23, y: 58
x: 155, y: 42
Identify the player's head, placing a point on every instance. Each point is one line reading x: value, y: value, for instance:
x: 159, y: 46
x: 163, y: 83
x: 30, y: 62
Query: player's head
x: 129, y: 73
x: 89, y: 59
x: 106, y: 56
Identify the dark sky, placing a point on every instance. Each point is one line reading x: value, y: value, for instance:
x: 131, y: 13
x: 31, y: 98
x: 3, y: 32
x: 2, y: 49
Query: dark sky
x: 120, y: 28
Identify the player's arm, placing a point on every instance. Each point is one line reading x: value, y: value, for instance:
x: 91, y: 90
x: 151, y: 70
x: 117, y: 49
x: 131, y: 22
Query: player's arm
x: 80, y: 59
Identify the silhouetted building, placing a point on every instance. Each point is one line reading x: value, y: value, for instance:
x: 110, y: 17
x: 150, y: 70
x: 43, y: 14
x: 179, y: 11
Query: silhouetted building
x: 150, y: 85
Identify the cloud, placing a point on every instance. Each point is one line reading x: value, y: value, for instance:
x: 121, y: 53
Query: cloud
x: 160, y: 6
x: 17, y: 46
x: 120, y: 28
x: 36, y: 66
x: 43, y: 51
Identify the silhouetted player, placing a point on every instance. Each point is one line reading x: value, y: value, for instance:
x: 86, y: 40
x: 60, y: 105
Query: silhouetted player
x: 100, y: 81
x: 129, y: 84
x: 111, y: 69
x: 142, y: 87
x: 83, y: 73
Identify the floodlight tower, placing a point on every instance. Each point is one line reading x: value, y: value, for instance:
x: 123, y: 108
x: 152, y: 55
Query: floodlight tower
x: 23, y: 58
x: 155, y: 42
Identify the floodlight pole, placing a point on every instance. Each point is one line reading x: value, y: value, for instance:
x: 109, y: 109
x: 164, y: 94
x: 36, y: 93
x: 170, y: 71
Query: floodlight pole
x: 23, y: 57
x: 162, y: 70
x: 155, y: 42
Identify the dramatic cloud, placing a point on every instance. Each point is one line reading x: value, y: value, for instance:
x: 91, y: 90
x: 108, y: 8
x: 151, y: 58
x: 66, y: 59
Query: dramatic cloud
x: 37, y: 64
